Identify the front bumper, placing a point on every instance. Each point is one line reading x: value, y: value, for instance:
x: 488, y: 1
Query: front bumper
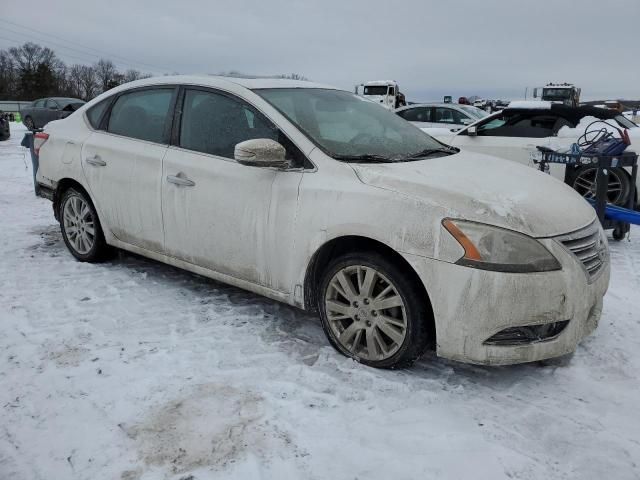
x: 471, y: 305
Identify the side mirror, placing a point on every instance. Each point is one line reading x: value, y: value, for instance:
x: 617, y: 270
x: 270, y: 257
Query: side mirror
x: 261, y: 152
x: 53, y: 107
x: 472, y: 131
x: 466, y: 121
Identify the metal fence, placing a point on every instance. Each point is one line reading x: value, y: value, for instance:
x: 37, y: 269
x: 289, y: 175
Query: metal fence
x: 13, y: 106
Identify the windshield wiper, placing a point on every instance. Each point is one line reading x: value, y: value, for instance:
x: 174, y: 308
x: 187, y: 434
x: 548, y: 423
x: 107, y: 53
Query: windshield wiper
x: 431, y: 151
x: 366, y: 158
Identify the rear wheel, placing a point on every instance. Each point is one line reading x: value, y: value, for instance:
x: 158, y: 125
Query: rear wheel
x: 618, y: 188
x: 372, y: 311
x: 80, y: 227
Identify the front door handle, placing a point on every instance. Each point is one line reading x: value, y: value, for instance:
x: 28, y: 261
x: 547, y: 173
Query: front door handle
x: 181, y: 180
x: 96, y: 161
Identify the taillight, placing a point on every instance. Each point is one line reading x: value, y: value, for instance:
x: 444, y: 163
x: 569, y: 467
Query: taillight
x: 39, y: 139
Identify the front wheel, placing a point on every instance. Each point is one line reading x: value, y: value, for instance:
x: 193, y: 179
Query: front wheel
x: 80, y: 227
x: 372, y: 311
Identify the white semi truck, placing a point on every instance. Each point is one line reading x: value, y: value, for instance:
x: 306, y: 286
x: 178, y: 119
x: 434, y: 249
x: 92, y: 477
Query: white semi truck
x: 565, y: 93
x: 384, y: 92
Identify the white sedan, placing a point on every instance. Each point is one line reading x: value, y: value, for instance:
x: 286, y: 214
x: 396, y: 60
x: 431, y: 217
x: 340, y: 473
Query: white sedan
x: 441, y: 115
x: 311, y: 196
x: 515, y: 132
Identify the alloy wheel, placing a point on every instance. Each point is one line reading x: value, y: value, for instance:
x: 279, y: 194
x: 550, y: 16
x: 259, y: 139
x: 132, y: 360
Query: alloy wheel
x: 79, y: 224
x: 365, y: 313
x: 585, y: 184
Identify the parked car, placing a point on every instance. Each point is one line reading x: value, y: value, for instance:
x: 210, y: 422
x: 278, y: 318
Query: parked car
x: 514, y: 133
x: 311, y: 196
x: 44, y: 110
x: 5, y: 130
x: 441, y: 115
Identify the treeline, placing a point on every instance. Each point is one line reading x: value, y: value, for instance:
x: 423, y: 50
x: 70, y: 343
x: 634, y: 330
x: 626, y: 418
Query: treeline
x: 32, y: 71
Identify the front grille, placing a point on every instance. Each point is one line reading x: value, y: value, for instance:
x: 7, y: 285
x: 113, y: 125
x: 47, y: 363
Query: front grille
x: 588, y: 247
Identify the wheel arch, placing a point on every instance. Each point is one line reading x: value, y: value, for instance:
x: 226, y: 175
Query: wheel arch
x: 353, y: 244
x: 62, y: 186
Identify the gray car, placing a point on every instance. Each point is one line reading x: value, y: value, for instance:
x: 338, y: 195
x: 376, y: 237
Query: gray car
x: 44, y: 110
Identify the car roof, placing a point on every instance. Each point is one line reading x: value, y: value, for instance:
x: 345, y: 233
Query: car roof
x: 571, y: 113
x: 65, y: 99
x: 432, y: 104
x: 221, y: 81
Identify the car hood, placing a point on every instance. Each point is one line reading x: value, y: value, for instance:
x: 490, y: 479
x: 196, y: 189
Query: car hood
x: 485, y: 189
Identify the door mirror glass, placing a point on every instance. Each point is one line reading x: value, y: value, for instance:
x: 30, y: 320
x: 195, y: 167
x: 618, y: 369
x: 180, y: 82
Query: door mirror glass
x: 52, y: 107
x: 261, y: 152
x: 472, y: 131
x: 466, y: 121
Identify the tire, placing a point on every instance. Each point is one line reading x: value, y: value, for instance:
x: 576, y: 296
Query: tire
x: 77, y: 214
x: 583, y: 182
x: 351, y: 324
x: 620, y: 232
x: 28, y: 122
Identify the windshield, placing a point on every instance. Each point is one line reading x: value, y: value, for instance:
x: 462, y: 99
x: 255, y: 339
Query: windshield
x: 556, y: 94
x: 475, y: 112
x: 350, y: 128
x: 625, y: 122
x: 376, y: 90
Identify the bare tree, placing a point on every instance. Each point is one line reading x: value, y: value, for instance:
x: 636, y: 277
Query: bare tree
x: 29, y: 56
x: 8, y: 76
x: 105, y: 72
x: 74, y: 78
x: 132, y: 75
x: 88, y: 82
x: 294, y: 76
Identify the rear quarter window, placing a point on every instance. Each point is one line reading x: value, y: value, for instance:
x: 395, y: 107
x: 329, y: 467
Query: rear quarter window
x: 94, y: 114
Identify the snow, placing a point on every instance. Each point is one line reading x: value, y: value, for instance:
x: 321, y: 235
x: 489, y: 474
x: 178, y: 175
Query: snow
x: 134, y: 370
x: 530, y: 104
x: 585, y: 122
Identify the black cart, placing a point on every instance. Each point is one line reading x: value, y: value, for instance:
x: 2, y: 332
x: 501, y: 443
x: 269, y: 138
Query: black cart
x: 603, y: 163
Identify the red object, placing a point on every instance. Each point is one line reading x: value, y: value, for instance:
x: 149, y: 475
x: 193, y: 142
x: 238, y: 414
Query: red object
x: 39, y: 139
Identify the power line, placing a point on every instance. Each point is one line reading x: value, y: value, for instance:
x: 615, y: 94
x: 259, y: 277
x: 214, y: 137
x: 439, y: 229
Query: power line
x: 123, y: 60
x: 21, y: 42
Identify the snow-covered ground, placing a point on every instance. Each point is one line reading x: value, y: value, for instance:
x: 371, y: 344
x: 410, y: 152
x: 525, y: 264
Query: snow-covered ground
x: 135, y: 370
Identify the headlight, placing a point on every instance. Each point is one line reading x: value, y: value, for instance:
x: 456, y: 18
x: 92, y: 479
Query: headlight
x: 498, y: 249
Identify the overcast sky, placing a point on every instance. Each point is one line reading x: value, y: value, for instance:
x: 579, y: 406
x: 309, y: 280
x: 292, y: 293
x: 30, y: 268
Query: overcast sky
x: 491, y: 48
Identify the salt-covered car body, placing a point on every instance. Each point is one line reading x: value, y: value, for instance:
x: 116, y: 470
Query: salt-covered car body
x: 533, y: 290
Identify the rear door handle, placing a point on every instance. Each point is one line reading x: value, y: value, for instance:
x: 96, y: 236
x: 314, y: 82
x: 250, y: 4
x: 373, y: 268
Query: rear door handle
x: 180, y: 180
x: 96, y: 161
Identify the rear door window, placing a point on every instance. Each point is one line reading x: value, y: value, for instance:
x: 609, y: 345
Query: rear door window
x: 142, y: 114
x: 38, y: 103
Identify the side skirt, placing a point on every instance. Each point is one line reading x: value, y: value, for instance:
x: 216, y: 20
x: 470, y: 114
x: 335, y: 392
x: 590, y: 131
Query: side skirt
x: 205, y: 272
